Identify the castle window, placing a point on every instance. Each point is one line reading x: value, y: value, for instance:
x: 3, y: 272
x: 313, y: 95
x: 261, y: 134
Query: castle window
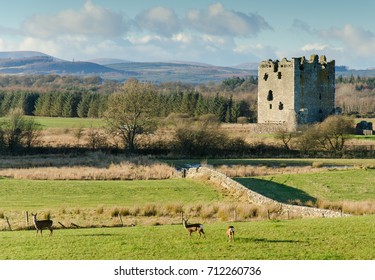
x: 279, y: 75
x: 270, y: 106
x: 281, y: 106
x: 320, y: 96
x: 270, y: 96
x: 265, y: 77
x: 275, y: 67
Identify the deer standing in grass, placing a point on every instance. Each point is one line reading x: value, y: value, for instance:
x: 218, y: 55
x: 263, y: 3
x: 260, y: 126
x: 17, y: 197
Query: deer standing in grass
x: 230, y: 233
x: 193, y: 227
x: 40, y: 225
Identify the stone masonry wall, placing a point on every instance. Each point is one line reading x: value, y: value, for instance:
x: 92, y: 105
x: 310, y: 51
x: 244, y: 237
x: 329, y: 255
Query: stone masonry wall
x: 256, y: 198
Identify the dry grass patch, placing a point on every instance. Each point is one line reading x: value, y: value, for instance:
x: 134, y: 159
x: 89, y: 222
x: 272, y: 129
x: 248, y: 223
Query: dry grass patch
x: 251, y: 171
x: 124, y: 171
x: 352, y: 207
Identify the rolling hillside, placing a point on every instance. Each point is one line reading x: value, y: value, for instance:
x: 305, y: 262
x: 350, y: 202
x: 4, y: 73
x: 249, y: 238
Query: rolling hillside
x: 29, y: 62
x: 189, y: 72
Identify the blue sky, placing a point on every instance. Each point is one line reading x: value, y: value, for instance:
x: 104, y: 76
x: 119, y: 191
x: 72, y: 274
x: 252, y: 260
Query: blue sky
x: 224, y: 33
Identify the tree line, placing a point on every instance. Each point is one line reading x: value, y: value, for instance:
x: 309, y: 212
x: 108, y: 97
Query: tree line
x: 86, y: 104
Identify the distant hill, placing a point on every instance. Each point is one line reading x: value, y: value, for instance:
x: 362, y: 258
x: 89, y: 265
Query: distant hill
x: 107, y: 61
x: 180, y: 71
x: 30, y: 62
x: 20, y: 54
x: 247, y: 66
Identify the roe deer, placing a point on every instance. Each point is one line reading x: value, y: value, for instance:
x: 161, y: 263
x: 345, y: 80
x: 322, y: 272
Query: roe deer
x: 40, y: 225
x: 230, y: 233
x: 193, y: 227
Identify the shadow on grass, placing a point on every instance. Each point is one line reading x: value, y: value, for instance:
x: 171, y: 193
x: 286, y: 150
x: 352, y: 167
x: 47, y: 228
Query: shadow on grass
x: 276, y: 191
x: 265, y: 240
x: 98, y: 234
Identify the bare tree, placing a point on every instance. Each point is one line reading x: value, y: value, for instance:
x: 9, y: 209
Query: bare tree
x: 129, y: 112
x: 285, y: 137
x: 333, y: 132
x: 330, y: 135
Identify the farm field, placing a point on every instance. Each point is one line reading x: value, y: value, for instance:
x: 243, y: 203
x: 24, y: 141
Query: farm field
x: 94, y: 204
x: 334, y: 185
x: 349, y: 238
x: 68, y: 123
x: 21, y: 195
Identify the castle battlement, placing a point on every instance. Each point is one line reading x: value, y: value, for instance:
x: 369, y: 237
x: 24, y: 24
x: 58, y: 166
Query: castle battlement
x: 296, y: 91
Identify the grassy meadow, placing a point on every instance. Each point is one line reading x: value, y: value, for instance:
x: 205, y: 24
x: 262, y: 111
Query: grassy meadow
x: 75, y: 194
x: 304, y: 239
x: 68, y: 123
x: 333, y: 185
x: 95, y: 203
x: 20, y: 195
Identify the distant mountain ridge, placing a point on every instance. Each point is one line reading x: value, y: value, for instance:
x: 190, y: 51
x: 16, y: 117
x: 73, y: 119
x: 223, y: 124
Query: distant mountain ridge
x: 19, y: 54
x: 31, y: 62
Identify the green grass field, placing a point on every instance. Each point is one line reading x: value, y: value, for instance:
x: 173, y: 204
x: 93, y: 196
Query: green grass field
x: 335, y: 185
x: 47, y: 122
x: 21, y: 195
x: 308, y: 239
x: 337, y: 238
x: 68, y: 123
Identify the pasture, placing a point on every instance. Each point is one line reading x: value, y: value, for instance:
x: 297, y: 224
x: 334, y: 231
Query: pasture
x: 349, y: 238
x: 67, y: 123
x: 147, y: 203
x: 332, y: 185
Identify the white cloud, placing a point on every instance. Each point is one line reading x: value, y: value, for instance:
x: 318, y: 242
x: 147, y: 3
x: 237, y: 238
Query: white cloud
x: 91, y: 20
x: 212, y: 34
x: 255, y: 52
x: 159, y: 20
x: 146, y: 39
x: 314, y: 47
x: 221, y: 22
x: 355, y: 39
x: 182, y: 37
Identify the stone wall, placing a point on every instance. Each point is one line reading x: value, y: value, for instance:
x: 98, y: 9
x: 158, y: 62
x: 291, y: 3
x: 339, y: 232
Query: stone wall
x: 223, y: 181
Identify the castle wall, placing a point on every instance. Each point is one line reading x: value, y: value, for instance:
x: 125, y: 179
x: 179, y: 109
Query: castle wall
x: 314, y: 96
x: 275, y: 91
x: 297, y: 91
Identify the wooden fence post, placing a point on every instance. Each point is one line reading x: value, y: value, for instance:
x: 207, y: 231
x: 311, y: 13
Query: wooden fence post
x: 8, y: 223
x: 119, y: 215
x: 62, y: 225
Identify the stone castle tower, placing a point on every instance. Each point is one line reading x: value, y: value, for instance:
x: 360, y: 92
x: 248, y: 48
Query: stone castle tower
x: 296, y: 92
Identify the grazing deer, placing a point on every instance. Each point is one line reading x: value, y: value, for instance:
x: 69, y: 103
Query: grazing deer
x: 40, y: 225
x: 230, y: 233
x: 193, y: 227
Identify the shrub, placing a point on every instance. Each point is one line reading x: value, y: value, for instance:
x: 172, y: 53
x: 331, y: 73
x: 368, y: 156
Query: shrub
x: 100, y: 210
x: 115, y: 212
x: 150, y: 210
x: 317, y: 164
x: 125, y: 212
